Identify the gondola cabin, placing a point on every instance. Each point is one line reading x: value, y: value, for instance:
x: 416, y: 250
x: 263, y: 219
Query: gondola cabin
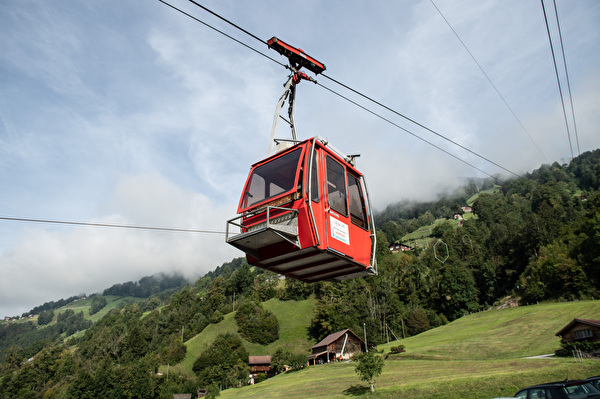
x: 304, y: 213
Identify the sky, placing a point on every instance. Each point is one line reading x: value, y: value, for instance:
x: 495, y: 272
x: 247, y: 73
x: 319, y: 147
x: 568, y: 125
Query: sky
x: 129, y: 112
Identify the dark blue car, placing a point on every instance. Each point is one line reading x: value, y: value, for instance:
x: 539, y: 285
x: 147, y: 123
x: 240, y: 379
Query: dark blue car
x: 595, y: 381
x: 560, y: 390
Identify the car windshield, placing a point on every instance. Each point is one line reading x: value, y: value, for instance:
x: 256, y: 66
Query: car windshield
x: 579, y: 391
x: 272, y: 178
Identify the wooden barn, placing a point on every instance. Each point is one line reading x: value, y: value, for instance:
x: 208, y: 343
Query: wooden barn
x: 260, y: 364
x: 580, y: 330
x: 341, y: 345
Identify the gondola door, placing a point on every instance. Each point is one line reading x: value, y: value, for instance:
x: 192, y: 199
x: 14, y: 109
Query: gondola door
x: 346, y: 218
x: 336, y: 211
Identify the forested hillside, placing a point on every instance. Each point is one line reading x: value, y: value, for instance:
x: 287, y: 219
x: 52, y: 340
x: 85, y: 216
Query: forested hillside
x: 536, y: 238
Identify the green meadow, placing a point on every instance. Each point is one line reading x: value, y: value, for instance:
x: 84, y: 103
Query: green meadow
x: 293, y: 316
x: 482, y: 355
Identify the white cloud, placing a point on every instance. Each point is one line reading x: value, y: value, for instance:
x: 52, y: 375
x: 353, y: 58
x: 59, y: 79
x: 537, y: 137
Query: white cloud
x: 65, y: 261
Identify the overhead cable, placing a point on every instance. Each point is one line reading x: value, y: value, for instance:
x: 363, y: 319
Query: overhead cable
x: 419, y: 124
x: 121, y: 226
x: 221, y: 32
x: 346, y: 87
x: 409, y: 132
x: 562, y: 99
x: 562, y: 49
x: 489, y: 80
x: 228, y: 21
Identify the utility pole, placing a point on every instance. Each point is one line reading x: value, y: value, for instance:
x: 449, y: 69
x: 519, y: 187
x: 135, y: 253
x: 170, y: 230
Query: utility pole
x: 403, y: 335
x: 365, y: 332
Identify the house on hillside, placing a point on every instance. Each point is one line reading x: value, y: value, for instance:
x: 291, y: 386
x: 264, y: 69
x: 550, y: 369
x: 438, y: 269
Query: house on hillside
x: 399, y: 247
x: 260, y: 364
x: 337, y: 346
x: 580, y: 330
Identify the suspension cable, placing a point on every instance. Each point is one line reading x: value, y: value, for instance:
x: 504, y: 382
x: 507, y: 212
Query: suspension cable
x: 562, y: 48
x: 488, y: 79
x: 344, y: 86
x: 562, y: 99
x: 409, y: 132
x: 121, y: 226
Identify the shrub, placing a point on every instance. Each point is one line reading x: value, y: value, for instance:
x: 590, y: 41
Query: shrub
x: 223, y: 362
x: 45, y: 317
x: 584, y: 346
x: 284, y: 357
x: 260, y: 377
x: 257, y: 324
x: 98, y: 303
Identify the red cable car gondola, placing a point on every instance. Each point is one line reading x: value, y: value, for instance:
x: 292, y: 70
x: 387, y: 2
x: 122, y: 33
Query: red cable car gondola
x: 304, y: 211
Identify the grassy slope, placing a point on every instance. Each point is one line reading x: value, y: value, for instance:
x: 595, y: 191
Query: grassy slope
x: 84, y: 306
x: 492, y: 190
x: 478, y: 356
x: 294, y: 318
x: 421, y: 238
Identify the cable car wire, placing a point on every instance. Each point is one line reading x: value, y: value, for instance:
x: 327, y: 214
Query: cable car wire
x: 489, y: 80
x: 562, y: 48
x: 121, y: 226
x: 228, y: 21
x: 498, y: 180
x: 347, y: 88
x: 562, y: 98
x: 421, y: 126
x: 223, y: 33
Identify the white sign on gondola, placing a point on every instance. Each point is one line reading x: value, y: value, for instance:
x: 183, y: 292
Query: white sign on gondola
x: 339, y: 230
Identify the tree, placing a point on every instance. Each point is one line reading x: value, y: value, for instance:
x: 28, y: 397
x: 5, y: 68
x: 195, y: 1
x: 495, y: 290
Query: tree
x: 417, y: 320
x: 285, y: 357
x: 240, y: 280
x: 369, y: 367
x: 256, y: 324
x: 225, y: 354
x: 456, y: 292
x: 45, y: 317
x: 98, y: 303
x: 553, y: 275
x: 70, y: 322
x: 152, y: 303
x: 295, y: 290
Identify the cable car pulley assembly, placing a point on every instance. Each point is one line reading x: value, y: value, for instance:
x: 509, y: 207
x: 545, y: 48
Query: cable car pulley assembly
x: 298, y: 59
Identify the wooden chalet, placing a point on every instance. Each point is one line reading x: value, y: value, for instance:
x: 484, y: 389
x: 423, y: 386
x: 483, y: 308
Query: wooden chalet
x: 399, y: 247
x: 580, y: 330
x: 260, y: 364
x: 341, y: 345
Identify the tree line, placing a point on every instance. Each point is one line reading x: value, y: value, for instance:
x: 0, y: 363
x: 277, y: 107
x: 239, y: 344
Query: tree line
x: 147, y: 286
